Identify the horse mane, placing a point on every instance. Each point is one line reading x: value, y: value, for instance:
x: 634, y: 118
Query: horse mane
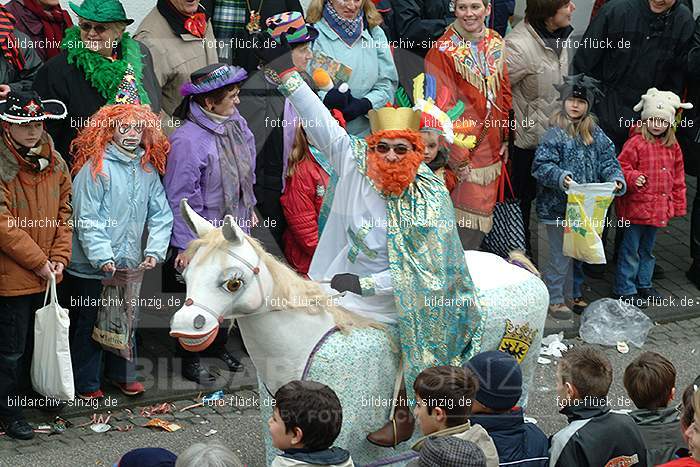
x: 519, y: 258
x: 289, y: 287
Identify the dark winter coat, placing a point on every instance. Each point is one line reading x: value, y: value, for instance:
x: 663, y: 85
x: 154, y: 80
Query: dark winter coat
x: 31, y: 25
x: 689, y: 131
x: 20, y: 80
x: 662, y: 197
x: 661, y: 432
x: 559, y: 155
x: 519, y: 444
x: 58, y: 79
x: 642, y: 50
x: 418, y: 22
x: 597, y: 436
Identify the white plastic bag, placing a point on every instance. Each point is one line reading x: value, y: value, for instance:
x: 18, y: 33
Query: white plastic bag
x: 586, y: 206
x: 609, y: 322
x: 52, y: 373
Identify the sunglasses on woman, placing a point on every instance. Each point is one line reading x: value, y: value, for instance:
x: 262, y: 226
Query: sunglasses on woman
x: 399, y: 149
x: 98, y: 28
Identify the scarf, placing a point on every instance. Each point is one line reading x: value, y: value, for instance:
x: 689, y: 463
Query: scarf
x: 8, y: 41
x: 54, y: 21
x: 228, y: 20
x: 553, y: 39
x: 349, y: 30
x: 181, y: 24
x: 235, y: 163
x: 103, y: 74
x: 37, y: 158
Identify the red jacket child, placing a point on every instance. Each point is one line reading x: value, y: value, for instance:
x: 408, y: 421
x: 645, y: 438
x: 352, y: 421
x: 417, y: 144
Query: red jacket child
x: 663, y: 195
x: 301, y: 203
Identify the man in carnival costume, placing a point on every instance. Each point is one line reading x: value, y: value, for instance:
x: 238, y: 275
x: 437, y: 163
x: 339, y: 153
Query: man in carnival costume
x: 390, y: 240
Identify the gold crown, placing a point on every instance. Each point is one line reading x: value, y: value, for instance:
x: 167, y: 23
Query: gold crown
x: 521, y: 332
x: 390, y: 118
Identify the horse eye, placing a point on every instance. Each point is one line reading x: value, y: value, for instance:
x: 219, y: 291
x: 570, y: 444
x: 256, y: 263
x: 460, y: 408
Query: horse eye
x: 232, y: 285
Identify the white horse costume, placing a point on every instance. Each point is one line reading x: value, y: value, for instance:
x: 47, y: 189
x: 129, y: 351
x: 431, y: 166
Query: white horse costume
x: 290, y: 328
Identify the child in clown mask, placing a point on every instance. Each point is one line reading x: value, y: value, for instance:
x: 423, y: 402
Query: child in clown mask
x: 117, y: 193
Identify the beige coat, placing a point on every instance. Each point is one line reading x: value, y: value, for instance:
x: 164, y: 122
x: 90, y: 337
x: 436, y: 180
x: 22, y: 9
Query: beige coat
x: 474, y: 433
x: 534, y: 69
x: 175, y: 57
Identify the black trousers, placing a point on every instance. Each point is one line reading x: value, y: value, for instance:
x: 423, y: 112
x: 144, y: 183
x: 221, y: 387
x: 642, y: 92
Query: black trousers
x: 16, y: 347
x: 695, y: 227
x: 524, y: 186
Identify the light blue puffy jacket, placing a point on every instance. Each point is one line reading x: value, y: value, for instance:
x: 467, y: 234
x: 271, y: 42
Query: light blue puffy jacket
x: 111, y: 212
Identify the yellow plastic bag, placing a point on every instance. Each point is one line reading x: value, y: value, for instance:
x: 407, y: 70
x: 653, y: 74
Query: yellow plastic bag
x: 585, y: 219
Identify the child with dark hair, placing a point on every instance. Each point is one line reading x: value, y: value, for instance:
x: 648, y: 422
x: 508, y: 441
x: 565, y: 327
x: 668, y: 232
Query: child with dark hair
x: 306, y: 421
x: 595, y: 435
x: 444, y: 397
x: 650, y: 381
x: 494, y: 408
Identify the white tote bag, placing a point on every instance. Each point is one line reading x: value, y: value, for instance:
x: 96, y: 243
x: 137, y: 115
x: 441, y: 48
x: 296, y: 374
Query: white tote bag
x: 52, y: 373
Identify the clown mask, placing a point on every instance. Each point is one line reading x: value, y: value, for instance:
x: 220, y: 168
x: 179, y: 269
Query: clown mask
x: 128, y: 135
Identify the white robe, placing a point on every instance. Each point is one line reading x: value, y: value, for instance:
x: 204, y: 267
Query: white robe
x: 356, y: 206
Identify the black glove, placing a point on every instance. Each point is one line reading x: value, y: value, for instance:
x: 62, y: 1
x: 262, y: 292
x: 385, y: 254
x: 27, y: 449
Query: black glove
x: 356, y: 108
x: 335, y: 99
x: 276, y: 55
x: 346, y: 282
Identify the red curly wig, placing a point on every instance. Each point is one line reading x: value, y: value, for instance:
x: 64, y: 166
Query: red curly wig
x: 92, y: 140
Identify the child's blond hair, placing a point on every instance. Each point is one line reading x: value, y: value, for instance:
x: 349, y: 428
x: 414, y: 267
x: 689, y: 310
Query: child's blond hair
x: 583, y: 128
x: 300, y: 150
x: 668, y: 139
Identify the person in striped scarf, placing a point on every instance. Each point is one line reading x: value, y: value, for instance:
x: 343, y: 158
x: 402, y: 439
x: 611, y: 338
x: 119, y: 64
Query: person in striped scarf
x: 18, y: 62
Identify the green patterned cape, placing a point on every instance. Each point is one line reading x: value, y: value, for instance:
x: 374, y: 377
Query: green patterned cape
x: 439, y: 322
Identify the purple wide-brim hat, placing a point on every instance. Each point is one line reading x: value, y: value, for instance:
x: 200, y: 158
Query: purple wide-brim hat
x: 213, y: 77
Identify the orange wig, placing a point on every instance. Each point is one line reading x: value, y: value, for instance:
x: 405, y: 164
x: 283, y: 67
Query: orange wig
x: 92, y: 140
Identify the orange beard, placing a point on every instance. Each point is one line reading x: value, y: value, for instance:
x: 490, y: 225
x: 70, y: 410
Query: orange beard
x: 393, y: 177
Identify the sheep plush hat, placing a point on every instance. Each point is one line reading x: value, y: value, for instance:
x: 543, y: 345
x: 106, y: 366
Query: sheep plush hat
x: 660, y: 104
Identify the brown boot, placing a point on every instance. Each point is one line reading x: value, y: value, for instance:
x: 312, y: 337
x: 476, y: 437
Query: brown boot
x: 399, y: 428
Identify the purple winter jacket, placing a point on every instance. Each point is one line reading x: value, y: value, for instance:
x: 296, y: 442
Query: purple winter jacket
x: 193, y: 171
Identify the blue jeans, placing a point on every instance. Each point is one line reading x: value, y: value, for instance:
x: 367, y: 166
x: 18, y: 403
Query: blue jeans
x: 635, y: 260
x: 86, y: 354
x: 561, y: 267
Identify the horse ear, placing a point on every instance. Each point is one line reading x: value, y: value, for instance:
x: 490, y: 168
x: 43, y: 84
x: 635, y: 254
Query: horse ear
x: 231, y: 231
x: 194, y: 221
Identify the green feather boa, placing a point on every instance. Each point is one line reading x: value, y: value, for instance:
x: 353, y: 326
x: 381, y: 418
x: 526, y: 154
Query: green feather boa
x: 105, y: 75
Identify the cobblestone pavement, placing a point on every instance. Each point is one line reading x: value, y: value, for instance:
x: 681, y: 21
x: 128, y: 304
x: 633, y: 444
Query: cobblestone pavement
x: 238, y: 425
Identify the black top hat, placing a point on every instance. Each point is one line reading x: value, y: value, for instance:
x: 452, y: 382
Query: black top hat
x: 580, y: 86
x: 25, y: 107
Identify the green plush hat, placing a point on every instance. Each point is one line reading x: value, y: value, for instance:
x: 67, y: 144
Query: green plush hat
x: 101, y: 11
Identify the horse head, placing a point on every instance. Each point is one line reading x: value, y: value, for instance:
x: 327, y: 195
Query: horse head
x: 225, y: 278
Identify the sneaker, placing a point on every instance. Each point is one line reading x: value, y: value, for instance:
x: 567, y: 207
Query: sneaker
x: 651, y: 295
x: 92, y: 394
x: 560, y: 311
x: 133, y: 388
x: 580, y: 305
x: 633, y: 299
